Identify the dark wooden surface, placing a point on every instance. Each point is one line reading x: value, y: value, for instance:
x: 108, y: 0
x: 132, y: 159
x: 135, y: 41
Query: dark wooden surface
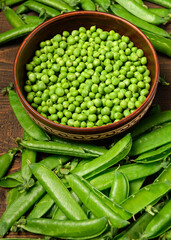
x: 9, y: 126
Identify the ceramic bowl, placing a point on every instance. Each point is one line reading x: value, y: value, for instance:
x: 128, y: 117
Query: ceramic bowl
x: 69, y: 22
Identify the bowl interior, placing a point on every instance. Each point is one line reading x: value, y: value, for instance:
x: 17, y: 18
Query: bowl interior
x: 74, y: 20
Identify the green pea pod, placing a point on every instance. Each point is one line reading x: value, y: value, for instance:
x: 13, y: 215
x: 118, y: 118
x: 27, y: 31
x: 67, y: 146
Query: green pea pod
x: 119, y: 188
x: 112, y: 156
x: 87, y: 5
x: 155, y: 155
x: 6, y: 160
x: 151, y: 140
x: 58, y: 192
x: 165, y: 175
x: 121, y: 12
x: 145, y: 196
x: 12, y: 195
x: 147, y: 123
x: 12, y: 2
x: 135, y: 185
x: 83, y: 229
x: 164, y: 3
x: 141, y: 12
x: 72, y: 3
x: 11, y: 16
x: 11, y: 180
x: 103, y: 4
x: 91, y: 148
x: 15, y: 179
x: 92, y: 201
x: 28, y: 157
x: 160, y: 223
x: 59, y: 5
x: 161, y: 44
x: 22, y: 9
x: 55, y: 148
x: 132, y: 171
x: 113, y: 205
x: 59, y: 215
x: 162, y: 12
x: 19, y: 207
x: 41, y: 207
x: 37, y: 7
x: 136, y: 229
x: 26, y: 122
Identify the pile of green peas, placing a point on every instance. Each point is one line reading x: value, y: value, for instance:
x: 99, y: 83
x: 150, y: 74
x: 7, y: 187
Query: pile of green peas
x: 87, y: 78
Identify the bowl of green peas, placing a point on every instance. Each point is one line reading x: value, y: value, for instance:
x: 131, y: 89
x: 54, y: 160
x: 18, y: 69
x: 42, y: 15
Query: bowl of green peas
x: 86, y: 75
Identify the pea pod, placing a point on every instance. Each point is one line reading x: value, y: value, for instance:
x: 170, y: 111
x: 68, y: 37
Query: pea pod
x: 145, y: 196
x: 11, y: 180
x: 87, y: 5
x: 160, y: 223
x: 11, y: 16
x: 12, y: 195
x: 26, y: 122
x: 15, y: 179
x: 135, y: 230
x: 103, y: 4
x: 165, y: 175
x: 59, y: 5
x: 155, y: 155
x: 135, y: 185
x: 164, y: 3
x: 41, y: 207
x: 92, y: 201
x: 58, y: 192
x: 112, y: 156
x: 54, y: 148
x: 146, y: 124
x: 28, y: 157
x: 162, y: 12
x: 83, y: 229
x: 59, y: 215
x: 37, y: 7
x: 26, y: 200
x: 119, y: 188
x: 91, y: 148
x: 121, y: 12
x: 12, y: 2
x: 151, y: 140
x: 19, y: 207
x: 132, y: 171
x: 141, y: 12
x: 6, y: 160
x: 161, y: 44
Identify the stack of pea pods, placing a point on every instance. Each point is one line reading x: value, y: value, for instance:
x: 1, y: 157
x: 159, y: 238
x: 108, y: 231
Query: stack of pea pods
x: 86, y: 191
x: 135, y: 11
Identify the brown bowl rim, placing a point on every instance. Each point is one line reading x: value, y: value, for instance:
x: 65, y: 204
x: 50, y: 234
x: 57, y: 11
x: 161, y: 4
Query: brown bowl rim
x: 103, y: 128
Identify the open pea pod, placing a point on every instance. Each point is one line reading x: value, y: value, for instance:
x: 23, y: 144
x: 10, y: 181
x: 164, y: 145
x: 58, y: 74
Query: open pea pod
x: 155, y: 155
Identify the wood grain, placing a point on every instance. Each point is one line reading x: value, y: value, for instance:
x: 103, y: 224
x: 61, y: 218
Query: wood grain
x: 9, y: 126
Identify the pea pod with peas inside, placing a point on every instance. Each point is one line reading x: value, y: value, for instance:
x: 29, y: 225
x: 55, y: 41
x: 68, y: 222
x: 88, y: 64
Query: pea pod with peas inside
x: 6, y: 160
x: 12, y: 17
x: 92, y: 201
x: 151, y: 140
x: 58, y: 192
x: 55, y: 148
x: 26, y: 200
x: 160, y: 223
x: 67, y: 229
x: 37, y: 7
x: 160, y: 153
x: 25, y: 121
x: 122, y: 12
x: 141, y: 12
x: 131, y: 171
x: 111, y: 157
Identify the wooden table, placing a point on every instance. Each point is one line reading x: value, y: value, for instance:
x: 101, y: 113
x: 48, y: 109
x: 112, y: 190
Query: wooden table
x: 9, y: 126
